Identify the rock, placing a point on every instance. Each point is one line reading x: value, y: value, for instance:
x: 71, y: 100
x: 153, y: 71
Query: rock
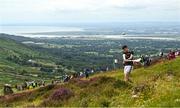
x: 8, y: 89
x: 135, y: 96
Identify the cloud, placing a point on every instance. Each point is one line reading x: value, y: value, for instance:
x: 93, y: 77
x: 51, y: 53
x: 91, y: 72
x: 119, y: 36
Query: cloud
x: 86, y: 10
x: 83, y: 5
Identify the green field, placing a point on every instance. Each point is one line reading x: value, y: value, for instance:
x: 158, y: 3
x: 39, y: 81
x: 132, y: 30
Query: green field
x: 15, y: 68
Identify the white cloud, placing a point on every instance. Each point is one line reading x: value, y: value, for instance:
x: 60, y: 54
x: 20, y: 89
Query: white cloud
x: 48, y: 10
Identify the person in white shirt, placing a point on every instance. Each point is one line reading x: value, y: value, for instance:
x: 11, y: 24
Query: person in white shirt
x: 128, y: 62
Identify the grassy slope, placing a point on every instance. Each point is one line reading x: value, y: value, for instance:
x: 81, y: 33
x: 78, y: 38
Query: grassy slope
x: 12, y: 72
x: 8, y: 47
x: 158, y: 85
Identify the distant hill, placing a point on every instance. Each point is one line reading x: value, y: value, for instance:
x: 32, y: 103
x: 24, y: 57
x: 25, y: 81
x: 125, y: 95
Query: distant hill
x: 16, y: 38
x: 19, y: 62
x: 155, y: 86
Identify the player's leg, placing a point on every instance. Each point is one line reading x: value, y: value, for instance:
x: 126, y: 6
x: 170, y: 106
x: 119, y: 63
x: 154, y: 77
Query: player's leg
x: 126, y: 73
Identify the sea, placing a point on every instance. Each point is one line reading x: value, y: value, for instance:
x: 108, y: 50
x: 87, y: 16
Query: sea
x: 130, y: 30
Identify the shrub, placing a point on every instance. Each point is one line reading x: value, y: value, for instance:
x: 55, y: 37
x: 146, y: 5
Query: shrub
x: 82, y: 83
x: 109, y: 92
x: 121, y: 84
x: 46, y: 88
x: 143, y: 89
x: 102, y: 79
x: 84, y: 102
x: 105, y: 103
x: 56, y: 99
x: 61, y: 94
x: 74, y: 80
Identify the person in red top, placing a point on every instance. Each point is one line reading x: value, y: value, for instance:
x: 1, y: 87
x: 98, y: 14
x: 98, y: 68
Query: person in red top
x: 171, y: 55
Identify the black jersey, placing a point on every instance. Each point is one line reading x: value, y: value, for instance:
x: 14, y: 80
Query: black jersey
x: 127, y: 56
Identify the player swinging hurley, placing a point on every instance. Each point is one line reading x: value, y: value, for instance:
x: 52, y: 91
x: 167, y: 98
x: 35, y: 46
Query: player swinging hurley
x: 128, y: 62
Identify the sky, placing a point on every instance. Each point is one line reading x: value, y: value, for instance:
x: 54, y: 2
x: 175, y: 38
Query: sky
x: 74, y: 11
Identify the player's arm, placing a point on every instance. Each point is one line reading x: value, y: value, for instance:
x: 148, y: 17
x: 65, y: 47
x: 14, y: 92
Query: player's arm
x: 126, y: 60
x: 131, y: 57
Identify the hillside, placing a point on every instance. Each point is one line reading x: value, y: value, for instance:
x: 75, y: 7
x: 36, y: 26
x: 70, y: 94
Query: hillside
x: 158, y: 85
x: 19, y: 63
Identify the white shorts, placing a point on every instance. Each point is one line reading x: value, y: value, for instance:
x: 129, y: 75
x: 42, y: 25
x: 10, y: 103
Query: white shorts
x: 128, y: 69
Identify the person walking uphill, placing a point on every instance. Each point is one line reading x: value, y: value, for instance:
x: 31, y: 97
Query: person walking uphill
x: 128, y: 62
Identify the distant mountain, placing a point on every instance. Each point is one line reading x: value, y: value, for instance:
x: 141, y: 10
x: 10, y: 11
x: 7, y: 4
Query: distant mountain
x: 16, y: 38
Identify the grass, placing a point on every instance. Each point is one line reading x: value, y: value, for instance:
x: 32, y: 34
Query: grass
x: 155, y: 86
x: 14, y: 71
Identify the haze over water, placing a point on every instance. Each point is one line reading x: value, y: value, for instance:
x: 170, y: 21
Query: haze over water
x: 130, y: 30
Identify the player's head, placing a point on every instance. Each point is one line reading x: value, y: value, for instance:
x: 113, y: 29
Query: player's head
x: 125, y: 48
